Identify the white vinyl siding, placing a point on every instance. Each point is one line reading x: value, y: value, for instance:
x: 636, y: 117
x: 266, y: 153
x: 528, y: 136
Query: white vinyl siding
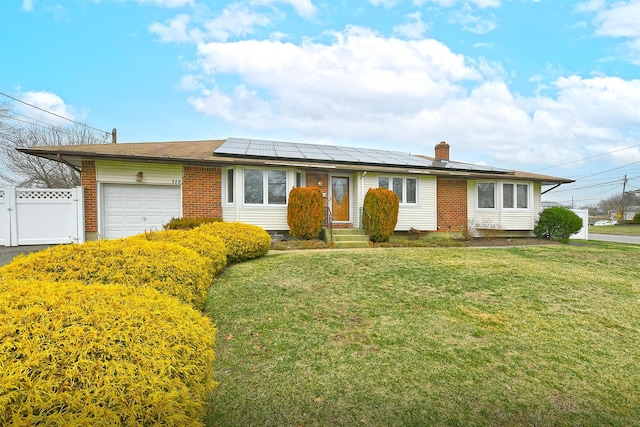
x: 403, y: 187
x: 504, y: 218
x: 126, y: 172
x: 272, y: 184
x: 421, y: 215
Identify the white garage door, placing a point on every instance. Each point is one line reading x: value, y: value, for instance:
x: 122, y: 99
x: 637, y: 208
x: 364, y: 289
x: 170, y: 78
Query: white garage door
x: 133, y: 209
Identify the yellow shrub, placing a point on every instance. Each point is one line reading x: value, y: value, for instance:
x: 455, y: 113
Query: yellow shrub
x: 207, y: 246
x: 167, y: 267
x: 243, y: 241
x: 101, y: 355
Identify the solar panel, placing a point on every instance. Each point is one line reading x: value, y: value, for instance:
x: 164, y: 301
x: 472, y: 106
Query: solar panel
x: 241, y: 147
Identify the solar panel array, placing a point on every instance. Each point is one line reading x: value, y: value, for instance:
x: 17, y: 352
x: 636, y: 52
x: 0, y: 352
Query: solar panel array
x: 241, y: 147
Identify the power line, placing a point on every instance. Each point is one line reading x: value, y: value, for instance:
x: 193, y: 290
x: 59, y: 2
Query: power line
x: 44, y: 126
x: 53, y: 114
x: 587, y: 158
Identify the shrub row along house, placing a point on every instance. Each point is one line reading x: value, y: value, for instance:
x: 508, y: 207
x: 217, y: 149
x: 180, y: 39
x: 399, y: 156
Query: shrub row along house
x: 132, y: 187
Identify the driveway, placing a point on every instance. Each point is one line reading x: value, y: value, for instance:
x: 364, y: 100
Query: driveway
x: 7, y: 253
x: 634, y: 240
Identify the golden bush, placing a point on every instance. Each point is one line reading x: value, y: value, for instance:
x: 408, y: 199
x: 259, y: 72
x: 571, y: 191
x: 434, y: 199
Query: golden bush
x: 243, y: 241
x: 210, y: 247
x: 167, y: 267
x: 101, y: 355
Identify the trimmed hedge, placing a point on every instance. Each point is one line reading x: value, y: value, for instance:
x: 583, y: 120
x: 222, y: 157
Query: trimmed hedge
x: 188, y: 223
x: 382, y: 207
x: 209, y: 247
x: 167, y: 267
x: 105, y: 355
x: 557, y: 223
x: 305, y: 213
x: 243, y: 241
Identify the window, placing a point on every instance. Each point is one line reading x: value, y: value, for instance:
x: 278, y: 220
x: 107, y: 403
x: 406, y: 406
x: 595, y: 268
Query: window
x: 255, y: 191
x: 486, y: 195
x: 230, y: 174
x: 405, y: 188
x: 277, y: 187
x: 515, y: 196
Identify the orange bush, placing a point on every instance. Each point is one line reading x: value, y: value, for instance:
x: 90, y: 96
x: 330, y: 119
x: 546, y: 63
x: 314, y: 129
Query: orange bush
x: 305, y: 213
x: 381, y: 207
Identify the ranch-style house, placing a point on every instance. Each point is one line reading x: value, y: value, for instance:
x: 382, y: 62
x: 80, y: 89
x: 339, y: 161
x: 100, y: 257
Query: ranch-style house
x: 133, y: 187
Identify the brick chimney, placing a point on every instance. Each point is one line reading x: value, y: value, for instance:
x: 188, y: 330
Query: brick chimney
x: 442, y: 151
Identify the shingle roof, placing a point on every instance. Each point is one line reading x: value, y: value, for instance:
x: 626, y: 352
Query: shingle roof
x: 208, y: 153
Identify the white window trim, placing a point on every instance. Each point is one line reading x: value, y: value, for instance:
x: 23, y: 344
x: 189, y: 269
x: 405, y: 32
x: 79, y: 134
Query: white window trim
x: 225, y: 187
x: 496, y: 187
x: 239, y: 187
x: 404, y: 203
x: 515, y: 207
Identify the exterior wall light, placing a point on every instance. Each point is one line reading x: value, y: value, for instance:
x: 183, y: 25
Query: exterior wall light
x: 139, y: 176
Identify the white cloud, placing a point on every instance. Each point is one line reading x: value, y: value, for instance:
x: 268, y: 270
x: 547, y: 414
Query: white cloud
x: 619, y: 20
x: 473, y: 23
x: 482, y: 4
x: 413, y: 27
x: 176, y: 30
x: 50, y: 102
x: 234, y: 21
x: 363, y: 88
x: 166, y: 3
x: 384, y: 3
x: 27, y: 5
x: 304, y: 8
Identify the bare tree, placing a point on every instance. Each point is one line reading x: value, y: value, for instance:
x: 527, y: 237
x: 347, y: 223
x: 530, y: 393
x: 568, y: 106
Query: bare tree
x: 24, y: 170
x: 619, y: 203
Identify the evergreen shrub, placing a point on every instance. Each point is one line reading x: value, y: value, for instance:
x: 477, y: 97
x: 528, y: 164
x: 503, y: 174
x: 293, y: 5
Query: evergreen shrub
x: 243, y: 241
x: 209, y: 247
x: 305, y: 213
x: 167, y: 267
x: 381, y: 214
x: 188, y: 223
x: 557, y: 223
x: 101, y: 355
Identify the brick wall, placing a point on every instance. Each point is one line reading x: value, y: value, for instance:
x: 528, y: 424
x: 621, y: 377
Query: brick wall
x: 313, y: 178
x: 452, y: 204
x: 201, y: 192
x: 88, y: 181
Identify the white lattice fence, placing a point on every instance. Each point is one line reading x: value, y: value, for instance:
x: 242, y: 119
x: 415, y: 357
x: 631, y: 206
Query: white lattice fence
x: 41, y: 216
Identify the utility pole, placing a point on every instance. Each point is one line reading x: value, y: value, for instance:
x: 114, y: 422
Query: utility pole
x: 114, y: 136
x: 622, y: 199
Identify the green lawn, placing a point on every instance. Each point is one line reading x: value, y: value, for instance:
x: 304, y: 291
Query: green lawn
x: 629, y: 230
x: 546, y: 335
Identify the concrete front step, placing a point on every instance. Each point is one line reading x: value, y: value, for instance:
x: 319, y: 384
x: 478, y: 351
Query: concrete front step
x: 350, y: 238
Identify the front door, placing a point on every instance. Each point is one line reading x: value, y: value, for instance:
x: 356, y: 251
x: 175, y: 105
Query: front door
x: 340, y: 198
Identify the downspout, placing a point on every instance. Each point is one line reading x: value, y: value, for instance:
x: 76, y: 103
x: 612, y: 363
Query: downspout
x: 552, y: 188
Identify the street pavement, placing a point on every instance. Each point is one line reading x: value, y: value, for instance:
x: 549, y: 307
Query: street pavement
x: 634, y: 240
x: 7, y: 253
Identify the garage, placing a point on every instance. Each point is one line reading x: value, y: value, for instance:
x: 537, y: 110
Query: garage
x: 130, y: 209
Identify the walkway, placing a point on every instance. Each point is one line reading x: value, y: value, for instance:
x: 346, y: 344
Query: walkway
x: 634, y: 240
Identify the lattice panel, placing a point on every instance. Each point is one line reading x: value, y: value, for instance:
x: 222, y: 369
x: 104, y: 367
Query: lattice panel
x: 45, y: 194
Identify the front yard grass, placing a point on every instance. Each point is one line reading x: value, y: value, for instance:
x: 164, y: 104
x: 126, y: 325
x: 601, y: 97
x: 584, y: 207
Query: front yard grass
x: 544, y: 335
x: 627, y: 229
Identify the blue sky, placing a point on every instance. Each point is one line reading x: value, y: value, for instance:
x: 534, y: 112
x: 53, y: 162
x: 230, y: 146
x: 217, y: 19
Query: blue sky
x: 548, y: 86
